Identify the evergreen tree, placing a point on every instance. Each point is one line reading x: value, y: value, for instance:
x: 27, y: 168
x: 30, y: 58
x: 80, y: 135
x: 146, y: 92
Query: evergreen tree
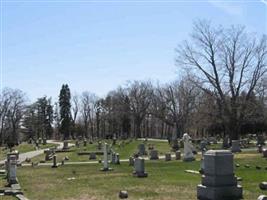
x: 65, y: 113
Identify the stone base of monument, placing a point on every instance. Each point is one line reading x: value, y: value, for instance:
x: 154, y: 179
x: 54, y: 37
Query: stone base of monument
x: 12, y: 182
x: 140, y: 174
x: 106, y: 169
x: 189, y: 159
x: 219, y: 193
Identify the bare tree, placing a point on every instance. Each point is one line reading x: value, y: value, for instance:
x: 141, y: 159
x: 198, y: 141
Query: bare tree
x: 174, y: 102
x: 226, y: 62
x: 88, y: 101
x: 12, y: 108
x: 5, y: 101
x: 140, y: 95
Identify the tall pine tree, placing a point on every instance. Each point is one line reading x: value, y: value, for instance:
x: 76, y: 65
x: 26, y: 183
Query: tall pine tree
x: 65, y: 113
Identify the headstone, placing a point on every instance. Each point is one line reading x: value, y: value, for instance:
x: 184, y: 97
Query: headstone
x: 105, y: 162
x: 92, y: 156
x: 235, y: 146
x: 139, y: 167
x: 188, y: 148
x: 142, y: 149
x: 131, y: 161
x: 168, y: 157
x: 12, y: 170
x: 99, y: 145
x: 203, y: 145
x: 225, y: 144
x: 202, y: 166
x: 113, y: 157
x: 123, y: 194
x: 13, y: 153
x: 264, y: 153
x: 84, y: 142
x: 154, y: 155
x: 178, y: 155
x: 117, y: 158
x: 65, y: 144
x: 54, y: 161
x: 263, y: 185
x: 218, y: 181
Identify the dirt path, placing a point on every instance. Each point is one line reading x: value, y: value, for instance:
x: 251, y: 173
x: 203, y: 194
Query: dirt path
x: 31, y: 154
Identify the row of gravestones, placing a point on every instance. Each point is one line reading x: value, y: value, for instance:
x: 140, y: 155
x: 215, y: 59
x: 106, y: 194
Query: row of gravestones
x: 154, y: 153
x: 38, y: 141
x: 236, y: 144
x: 188, y: 150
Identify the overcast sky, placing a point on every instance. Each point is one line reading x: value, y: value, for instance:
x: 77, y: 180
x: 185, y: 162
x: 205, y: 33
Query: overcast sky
x: 99, y: 45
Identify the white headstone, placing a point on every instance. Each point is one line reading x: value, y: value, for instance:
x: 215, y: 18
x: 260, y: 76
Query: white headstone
x: 105, y: 161
x: 188, y: 148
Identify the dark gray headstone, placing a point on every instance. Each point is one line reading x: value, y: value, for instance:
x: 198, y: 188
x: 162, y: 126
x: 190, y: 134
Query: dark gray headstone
x: 154, y: 155
x: 123, y: 194
x: 54, y: 161
x: 218, y: 181
x: 131, y: 161
x: 168, y: 157
x: 235, y: 146
x: 139, y: 167
x: 178, y: 155
x: 263, y: 185
x: 141, y: 149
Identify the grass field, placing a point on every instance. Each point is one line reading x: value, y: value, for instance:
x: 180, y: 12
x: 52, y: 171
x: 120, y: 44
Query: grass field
x: 165, y: 181
x: 125, y: 150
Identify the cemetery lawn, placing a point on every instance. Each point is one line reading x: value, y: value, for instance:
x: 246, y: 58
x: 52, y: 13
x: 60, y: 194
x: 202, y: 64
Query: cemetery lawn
x: 125, y: 151
x: 165, y: 181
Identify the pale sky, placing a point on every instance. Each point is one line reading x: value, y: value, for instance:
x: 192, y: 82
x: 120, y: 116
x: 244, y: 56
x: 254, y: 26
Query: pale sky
x: 99, y: 45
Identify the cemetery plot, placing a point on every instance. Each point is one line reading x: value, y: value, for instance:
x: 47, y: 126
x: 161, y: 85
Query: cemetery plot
x: 158, y: 180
